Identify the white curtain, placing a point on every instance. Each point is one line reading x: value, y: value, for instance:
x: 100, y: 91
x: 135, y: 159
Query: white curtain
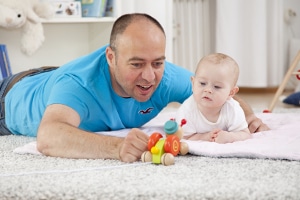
x: 249, y: 31
x: 189, y: 40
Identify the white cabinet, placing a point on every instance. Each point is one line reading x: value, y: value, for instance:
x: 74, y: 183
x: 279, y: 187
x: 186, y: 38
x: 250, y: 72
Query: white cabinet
x: 66, y: 39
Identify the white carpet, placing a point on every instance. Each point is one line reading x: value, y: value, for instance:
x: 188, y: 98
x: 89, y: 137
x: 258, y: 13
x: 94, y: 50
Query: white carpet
x: 31, y: 176
x: 281, y: 142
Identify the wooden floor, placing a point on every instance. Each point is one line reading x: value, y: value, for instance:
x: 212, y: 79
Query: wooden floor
x: 262, y: 101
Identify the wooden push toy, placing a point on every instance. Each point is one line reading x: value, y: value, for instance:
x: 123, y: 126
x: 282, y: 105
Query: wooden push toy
x: 284, y: 82
x: 162, y: 150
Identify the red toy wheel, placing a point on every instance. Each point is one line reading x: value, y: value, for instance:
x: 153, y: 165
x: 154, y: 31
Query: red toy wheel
x: 172, y: 145
x: 153, y: 140
x: 298, y: 76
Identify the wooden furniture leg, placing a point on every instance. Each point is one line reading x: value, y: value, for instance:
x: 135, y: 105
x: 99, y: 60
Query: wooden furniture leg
x: 284, y: 82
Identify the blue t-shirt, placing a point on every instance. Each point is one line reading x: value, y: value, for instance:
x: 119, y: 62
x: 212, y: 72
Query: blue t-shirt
x: 84, y: 85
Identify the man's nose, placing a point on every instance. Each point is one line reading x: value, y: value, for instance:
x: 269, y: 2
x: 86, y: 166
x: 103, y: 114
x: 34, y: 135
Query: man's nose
x: 148, y: 73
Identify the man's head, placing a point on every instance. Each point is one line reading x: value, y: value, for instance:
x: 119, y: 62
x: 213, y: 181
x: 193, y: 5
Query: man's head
x: 136, y: 55
x: 215, y: 79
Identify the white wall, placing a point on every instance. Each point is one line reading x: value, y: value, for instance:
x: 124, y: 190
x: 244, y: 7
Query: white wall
x: 291, y: 36
x: 63, y: 42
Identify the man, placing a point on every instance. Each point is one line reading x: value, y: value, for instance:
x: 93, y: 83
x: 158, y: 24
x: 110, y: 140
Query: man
x: 123, y: 85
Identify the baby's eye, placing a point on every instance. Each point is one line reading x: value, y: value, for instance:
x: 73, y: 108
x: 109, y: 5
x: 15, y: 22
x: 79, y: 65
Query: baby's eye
x: 217, y: 87
x: 202, y: 83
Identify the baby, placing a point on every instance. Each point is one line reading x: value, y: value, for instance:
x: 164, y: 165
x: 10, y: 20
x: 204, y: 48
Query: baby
x: 211, y: 112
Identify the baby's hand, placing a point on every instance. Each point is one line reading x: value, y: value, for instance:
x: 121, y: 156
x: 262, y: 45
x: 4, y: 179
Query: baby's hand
x: 213, y: 135
x: 223, y: 137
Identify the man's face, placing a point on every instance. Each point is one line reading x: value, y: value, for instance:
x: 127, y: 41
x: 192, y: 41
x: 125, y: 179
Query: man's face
x: 137, y: 65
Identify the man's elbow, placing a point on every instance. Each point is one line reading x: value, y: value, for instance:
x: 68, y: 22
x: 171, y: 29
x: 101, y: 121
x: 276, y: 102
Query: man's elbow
x: 42, y: 143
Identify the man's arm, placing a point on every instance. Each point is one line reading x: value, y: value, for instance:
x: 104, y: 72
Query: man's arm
x: 59, y: 136
x: 254, y: 123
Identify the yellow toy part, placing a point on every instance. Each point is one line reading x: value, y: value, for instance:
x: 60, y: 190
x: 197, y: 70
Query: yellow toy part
x: 157, y: 151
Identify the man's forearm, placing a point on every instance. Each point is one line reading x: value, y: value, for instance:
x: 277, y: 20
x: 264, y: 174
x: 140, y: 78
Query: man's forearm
x: 63, y: 140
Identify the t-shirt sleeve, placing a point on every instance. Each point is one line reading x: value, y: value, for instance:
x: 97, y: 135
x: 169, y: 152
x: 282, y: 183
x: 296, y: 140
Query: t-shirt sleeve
x: 178, y: 80
x: 237, y: 120
x: 69, y: 92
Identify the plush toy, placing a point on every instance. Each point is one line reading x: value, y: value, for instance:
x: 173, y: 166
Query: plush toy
x: 26, y: 15
x: 11, y: 18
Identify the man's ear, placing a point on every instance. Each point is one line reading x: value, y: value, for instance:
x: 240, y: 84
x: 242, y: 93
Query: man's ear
x: 110, y: 56
x: 233, y: 91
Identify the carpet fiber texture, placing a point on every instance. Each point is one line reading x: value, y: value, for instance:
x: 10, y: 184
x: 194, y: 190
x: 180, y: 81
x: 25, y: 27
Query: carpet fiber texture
x: 29, y: 176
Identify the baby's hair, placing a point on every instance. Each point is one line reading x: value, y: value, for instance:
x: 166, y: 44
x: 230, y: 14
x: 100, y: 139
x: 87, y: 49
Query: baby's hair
x: 220, y: 59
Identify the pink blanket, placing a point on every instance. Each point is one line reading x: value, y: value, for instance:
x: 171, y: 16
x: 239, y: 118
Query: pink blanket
x: 281, y: 142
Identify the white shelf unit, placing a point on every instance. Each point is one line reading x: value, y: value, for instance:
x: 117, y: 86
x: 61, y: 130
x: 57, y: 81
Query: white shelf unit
x: 79, y: 20
x: 65, y: 40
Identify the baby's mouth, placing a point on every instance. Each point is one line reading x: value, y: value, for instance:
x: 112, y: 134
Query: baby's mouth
x: 207, y: 98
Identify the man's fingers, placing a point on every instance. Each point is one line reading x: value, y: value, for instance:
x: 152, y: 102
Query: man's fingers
x: 133, y: 145
x: 139, y: 138
x: 256, y: 125
x: 262, y: 127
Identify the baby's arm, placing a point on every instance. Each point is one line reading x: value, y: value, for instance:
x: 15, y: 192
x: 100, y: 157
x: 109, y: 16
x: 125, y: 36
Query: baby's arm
x: 223, y: 137
x: 209, y: 136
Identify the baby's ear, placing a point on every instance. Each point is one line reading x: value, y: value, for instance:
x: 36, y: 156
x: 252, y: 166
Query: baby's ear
x: 233, y: 91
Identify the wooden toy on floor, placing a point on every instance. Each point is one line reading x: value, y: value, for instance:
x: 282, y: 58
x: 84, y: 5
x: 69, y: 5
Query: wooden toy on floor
x: 287, y: 76
x: 162, y: 150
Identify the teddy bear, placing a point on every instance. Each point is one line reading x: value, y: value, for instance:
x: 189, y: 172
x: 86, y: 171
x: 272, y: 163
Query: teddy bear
x: 26, y: 15
x: 11, y: 18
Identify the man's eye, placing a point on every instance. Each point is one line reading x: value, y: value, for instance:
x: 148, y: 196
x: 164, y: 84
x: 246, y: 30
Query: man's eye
x: 157, y: 64
x: 137, y: 64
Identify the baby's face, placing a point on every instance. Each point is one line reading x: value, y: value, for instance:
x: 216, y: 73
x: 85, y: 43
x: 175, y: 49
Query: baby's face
x: 212, y: 85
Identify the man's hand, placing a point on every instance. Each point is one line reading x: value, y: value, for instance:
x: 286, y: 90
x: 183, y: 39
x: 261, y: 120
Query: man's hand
x: 255, y: 124
x: 134, y: 144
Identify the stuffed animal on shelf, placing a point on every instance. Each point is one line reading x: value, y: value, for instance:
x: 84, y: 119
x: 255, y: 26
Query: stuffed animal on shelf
x: 162, y: 150
x: 11, y: 18
x: 26, y: 15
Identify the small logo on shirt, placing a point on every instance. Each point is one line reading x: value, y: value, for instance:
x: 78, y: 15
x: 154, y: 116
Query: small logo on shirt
x: 148, y: 110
